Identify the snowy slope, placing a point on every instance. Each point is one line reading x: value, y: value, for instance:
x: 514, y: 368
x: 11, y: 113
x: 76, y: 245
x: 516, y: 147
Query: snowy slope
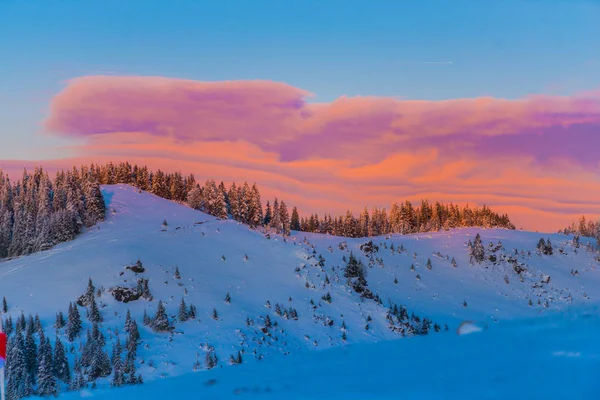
x: 277, y: 270
x: 547, y: 358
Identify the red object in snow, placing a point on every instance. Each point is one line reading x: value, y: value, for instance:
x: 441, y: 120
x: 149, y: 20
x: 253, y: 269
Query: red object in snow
x: 3, y: 345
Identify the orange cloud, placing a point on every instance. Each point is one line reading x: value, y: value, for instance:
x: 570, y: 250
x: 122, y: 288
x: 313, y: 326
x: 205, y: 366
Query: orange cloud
x: 535, y: 158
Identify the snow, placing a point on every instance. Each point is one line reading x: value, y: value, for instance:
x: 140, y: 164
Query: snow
x: 525, y: 352
x: 548, y: 358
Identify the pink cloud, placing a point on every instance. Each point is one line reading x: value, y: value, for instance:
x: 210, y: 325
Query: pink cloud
x: 535, y: 157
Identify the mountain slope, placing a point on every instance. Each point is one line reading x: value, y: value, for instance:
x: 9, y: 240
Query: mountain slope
x: 284, y: 271
x: 547, y: 358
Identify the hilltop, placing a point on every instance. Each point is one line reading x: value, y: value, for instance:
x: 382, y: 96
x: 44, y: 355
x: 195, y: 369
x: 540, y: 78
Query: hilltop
x: 205, y: 260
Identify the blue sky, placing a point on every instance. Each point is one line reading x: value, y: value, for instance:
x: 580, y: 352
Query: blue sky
x: 331, y: 48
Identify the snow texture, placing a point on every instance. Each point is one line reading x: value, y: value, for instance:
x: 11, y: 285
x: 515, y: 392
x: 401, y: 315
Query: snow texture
x: 540, y: 340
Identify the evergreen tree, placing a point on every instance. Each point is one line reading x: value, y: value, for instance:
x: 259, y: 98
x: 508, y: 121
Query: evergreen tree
x: 30, y: 352
x: 8, y: 326
x: 295, y: 220
x: 16, y: 365
x: 215, y: 315
x: 192, y: 312
x: 268, y: 215
x: 47, y: 385
x: 161, y: 322
x: 128, y: 321
x: 118, y: 378
x: 477, y: 250
x: 210, y: 359
x: 60, y: 321
x: 94, y: 312
x: 61, y: 364
x: 183, y: 311
x: 73, y: 323
x: 4, y: 305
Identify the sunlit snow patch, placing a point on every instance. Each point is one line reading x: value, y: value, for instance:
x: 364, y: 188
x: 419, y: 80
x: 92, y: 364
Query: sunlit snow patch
x: 468, y: 327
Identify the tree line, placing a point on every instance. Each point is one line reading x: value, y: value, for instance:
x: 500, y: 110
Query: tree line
x: 37, y: 212
x: 243, y: 203
x: 584, y: 227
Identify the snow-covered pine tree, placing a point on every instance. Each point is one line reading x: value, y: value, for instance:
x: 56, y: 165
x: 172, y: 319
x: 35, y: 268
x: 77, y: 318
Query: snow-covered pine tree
x: 47, y: 385
x: 192, y: 312
x: 477, y: 250
x: 195, y: 198
x: 31, y: 355
x: 8, y: 326
x: 73, y: 322
x: 182, y: 315
x: 16, y: 368
x: 95, y: 208
x: 295, y: 220
x: 118, y: 378
x: 268, y: 215
x: 128, y: 321
x: 276, y: 217
x: 210, y: 359
x: 94, y: 312
x: 61, y: 364
x: 60, y: 320
x: 160, y: 322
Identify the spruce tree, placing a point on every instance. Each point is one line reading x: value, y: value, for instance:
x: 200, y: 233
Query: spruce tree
x: 47, y: 385
x: 215, y: 315
x: 31, y: 355
x: 146, y: 319
x: 183, y: 311
x: 16, y: 365
x: 94, y: 312
x: 73, y: 323
x: 118, y: 378
x: 161, y: 322
x: 192, y: 312
x: 128, y: 321
x: 38, y: 324
x: 477, y: 250
x: 61, y: 364
x: 30, y: 326
x: 4, y: 305
x: 60, y: 320
x: 211, y: 359
x: 8, y: 326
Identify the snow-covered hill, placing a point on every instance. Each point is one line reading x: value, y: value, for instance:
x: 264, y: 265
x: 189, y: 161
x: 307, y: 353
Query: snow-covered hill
x: 219, y: 257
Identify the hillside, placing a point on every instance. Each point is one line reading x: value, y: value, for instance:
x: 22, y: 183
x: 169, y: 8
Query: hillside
x: 210, y: 255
